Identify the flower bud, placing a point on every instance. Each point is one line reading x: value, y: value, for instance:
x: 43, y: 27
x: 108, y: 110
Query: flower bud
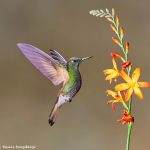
x: 114, y: 54
x: 121, y: 32
x: 117, y: 20
x: 127, y: 46
x: 116, y: 41
x: 126, y: 64
x: 113, y: 27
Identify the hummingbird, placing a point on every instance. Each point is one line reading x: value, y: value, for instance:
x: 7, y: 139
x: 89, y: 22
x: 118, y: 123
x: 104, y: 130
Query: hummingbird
x: 58, y: 71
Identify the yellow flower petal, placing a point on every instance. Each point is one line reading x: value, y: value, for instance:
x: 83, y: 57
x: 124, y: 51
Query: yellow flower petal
x: 110, y: 101
x: 138, y: 93
x: 125, y: 77
x: 113, y: 75
x: 113, y: 94
x: 108, y: 71
x: 122, y: 87
x: 114, y: 64
x: 144, y: 84
x: 136, y: 75
x: 128, y: 94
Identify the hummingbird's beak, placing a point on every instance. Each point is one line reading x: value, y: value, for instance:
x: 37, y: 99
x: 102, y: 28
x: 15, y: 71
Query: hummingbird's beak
x: 86, y: 58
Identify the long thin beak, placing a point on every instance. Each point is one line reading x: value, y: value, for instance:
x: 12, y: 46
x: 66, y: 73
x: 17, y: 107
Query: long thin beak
x: 86, y: 58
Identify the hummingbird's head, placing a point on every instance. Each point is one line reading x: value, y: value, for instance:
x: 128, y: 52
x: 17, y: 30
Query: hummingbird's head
x: 75, y: 61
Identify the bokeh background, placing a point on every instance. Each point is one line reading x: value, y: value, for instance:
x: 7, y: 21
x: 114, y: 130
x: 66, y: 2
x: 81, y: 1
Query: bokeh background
x: 26, y: 96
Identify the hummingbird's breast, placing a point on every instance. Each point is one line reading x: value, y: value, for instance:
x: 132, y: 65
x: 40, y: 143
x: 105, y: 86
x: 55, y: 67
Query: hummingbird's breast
x: 73, y: 85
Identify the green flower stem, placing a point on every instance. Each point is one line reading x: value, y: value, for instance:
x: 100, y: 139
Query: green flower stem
x: 130, y: 104
x: 129, y: 127
x: 125, y: 106
x: 129, y: 135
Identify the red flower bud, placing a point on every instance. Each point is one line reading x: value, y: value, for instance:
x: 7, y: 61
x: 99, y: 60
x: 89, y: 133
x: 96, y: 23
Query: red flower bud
x: 126, y: 64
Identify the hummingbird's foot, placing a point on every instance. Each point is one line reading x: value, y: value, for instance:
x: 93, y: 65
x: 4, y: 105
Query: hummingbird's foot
x: 51, y: 122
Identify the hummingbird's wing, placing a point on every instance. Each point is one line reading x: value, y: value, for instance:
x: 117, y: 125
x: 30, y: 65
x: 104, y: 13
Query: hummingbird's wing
x: 55, y: 55
x: 48, y: 66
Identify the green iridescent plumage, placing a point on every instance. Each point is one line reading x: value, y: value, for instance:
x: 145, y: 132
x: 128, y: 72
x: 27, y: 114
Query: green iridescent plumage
x: 74, y: 76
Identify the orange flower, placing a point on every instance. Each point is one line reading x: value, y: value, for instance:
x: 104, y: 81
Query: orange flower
x: 112, y: 73
x: 117, y: 98
x: 132, y: 84
x: 126, y: 118
x: 116, y: 55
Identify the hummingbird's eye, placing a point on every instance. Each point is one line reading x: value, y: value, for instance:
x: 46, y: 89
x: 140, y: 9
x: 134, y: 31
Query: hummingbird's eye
x: 75, y: 60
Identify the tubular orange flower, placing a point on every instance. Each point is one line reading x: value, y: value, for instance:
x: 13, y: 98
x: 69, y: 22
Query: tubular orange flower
x: 126, y: 118
x: 114, y: 54
x: 117, y: 98
x: 132, y: 84
x: 112, y: 73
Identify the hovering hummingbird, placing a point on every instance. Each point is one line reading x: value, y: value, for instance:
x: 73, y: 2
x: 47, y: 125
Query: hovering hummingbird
x: 58, y: 71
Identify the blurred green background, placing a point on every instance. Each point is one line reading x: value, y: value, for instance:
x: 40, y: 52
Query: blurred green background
x: 26, y: 96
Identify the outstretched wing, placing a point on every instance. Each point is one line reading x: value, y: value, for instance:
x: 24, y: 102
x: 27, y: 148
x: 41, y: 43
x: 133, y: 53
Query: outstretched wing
x: 48, y: 66
x: 55, y: 55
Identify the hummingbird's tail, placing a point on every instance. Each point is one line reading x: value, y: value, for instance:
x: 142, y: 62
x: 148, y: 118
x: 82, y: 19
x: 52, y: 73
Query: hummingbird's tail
x: 62, y: 99
x: 53, y: 115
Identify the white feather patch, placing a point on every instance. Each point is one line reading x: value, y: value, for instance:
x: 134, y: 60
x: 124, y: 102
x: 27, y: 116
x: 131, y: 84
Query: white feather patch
x: 63, y: 99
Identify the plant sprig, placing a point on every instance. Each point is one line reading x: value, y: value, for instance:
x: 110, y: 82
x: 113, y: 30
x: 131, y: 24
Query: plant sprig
x: 123, y: 91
